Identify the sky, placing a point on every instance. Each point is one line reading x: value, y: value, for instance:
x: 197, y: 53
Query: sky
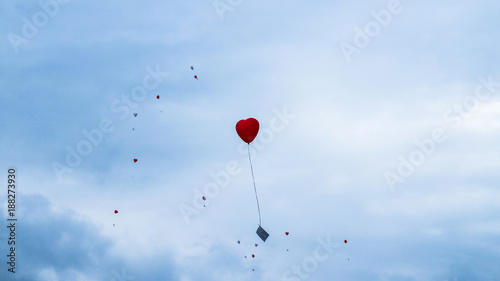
x: 379, y: 123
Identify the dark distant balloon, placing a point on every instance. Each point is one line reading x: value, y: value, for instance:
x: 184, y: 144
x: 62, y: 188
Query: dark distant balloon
x: 287, y: 233
x: 158, y: 96
x: 345, y: 241
x: 135, y: 114
x: 116, y: 212
x: 196, y: 76
x: 135, y: 160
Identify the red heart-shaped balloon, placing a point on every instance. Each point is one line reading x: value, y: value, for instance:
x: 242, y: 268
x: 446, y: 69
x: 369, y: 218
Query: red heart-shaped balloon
x: 247, y: 129
x: 116, y: 212
x: 286, y: 233
x: 135, y: 160
x: 158, y: 96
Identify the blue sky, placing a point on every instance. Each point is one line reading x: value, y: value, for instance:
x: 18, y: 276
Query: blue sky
x: 379, y: 125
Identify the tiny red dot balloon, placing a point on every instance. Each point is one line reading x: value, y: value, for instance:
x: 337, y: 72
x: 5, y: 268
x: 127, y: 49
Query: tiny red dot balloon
x: 116, y: 212
x: 158, y: 96
x: 345, y: 241
x: 253, y: 256
x: 286, y: 233
x: 135, y: 160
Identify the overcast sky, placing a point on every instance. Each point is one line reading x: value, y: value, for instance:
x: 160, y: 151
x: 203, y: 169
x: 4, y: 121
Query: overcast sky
x: 379, y: 125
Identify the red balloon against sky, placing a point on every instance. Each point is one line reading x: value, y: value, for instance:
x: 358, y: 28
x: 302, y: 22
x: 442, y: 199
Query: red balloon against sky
x: 287, y: 233
x: 158, y: 96
x: 116, y: 212
x: 345, y: 241
x: 247, y: 129
x: 135, y: 160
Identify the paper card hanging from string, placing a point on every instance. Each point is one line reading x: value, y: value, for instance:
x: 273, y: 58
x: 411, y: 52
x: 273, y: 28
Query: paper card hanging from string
x: 262, y: 233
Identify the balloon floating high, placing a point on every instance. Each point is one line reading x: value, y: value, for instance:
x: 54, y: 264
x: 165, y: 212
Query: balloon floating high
x: 158, y: 96
x: 345, y: 241
x: 135, y: 114
x: 196, y: 77
x: 286, y: 233
x: 116, y: 211
x: 192, y: 68
x: 247, y: 130
x: 135, y: 160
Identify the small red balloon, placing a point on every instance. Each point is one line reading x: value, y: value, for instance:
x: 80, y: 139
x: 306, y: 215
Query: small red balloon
x: 196, y: 76
x: 287, y: 233
x: 116, y: 212
x: 247, y: 129
x: 135, y: 160
x: 253, y: 256
x: 203, y: 198
x: 345, y: 241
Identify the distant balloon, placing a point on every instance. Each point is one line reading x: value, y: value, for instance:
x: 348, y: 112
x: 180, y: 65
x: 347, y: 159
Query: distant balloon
x: 203, y: 198
x: 192, y: 68
x: 135, y: 114
x: 256, y: 244
x: 196, y: 76
x: 116, y: 211
x: 287, y: 233
x: 135, y: 160
x: 158, y: 96
x: 253, y: 256
x: 238, y: 241
x: 345, y: 241
x: 247, y: 129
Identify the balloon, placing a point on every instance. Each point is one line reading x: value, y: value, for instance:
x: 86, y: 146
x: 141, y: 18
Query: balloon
x: 192, y: 68
x: 286, y: 233
x: 135, y: 160
x: 345, y: 241
x: 158, y: 96
x: 253, y: 256
x: 203, y: 198
x: 196, y: 76
x: 135, y: 114
x: 116, y: 212
x: 247, y: 129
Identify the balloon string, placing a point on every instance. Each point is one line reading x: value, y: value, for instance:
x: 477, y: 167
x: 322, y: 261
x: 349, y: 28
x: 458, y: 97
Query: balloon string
x: 254, y: 188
